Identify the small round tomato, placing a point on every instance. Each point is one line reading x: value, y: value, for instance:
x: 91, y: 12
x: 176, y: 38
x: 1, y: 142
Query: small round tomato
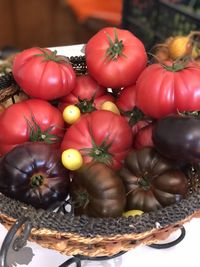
x: 71, y: 159
x: 108, y: 105
x: 132, y: 213
x: 71, y: 114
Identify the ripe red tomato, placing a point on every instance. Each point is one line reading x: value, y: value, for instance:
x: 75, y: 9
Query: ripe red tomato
x: 43, y: 74
x: 115, y: 57
x: 30, y: 120
x: 126, y: 102
x: 88, y: 95
x: 143, y: 137
x: 100, y: 136
x: 165, y: 90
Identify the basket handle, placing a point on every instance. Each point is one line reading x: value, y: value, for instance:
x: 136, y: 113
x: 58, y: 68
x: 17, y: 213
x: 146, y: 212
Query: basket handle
x: 19, y: 242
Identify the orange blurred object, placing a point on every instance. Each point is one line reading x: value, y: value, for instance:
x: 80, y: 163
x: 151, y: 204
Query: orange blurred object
x: 106, y: 10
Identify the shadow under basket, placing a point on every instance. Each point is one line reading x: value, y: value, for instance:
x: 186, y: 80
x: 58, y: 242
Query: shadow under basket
x: 96, y: 237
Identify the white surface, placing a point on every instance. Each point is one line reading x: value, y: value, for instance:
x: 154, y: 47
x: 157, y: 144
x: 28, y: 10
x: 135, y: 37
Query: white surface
x: 185, y: 254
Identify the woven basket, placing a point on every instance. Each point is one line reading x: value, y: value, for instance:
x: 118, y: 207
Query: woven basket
x: 94, y: 237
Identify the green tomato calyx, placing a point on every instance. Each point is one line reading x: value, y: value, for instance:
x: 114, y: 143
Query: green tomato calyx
x: 52, y: 56
x: 99, y: 153
x: 36, y: 134
x: 115, y: 47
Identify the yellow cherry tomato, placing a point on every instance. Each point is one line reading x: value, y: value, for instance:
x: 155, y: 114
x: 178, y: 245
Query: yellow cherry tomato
x: 179, y: 46
x: 72, y: 159
x: 71, y: 114
x: 132, y: 213
x: 109, y: 105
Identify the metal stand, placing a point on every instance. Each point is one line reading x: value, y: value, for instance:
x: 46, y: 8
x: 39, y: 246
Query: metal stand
x: 172, y: 243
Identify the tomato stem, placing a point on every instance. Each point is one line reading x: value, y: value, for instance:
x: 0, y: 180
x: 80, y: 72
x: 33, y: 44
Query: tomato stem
x: 37, y: 180
x: 86, y: 105
x: 36, y: 134
x: 115, y: 47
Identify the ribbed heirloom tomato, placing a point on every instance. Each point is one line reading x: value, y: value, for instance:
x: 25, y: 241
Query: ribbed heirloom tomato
x: 101, y: 136
x: 43, y: 74
x: 115, y: 57
x: 166, y: 89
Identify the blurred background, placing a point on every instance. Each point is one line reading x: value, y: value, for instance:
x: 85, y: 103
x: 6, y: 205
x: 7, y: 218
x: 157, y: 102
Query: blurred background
x: 47, y: 23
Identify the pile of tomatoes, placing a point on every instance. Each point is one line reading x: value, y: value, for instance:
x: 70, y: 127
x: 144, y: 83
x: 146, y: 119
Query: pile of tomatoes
x: 107, y: 138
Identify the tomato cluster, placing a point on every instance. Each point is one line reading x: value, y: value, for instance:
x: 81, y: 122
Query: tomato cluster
x: 108, y: 128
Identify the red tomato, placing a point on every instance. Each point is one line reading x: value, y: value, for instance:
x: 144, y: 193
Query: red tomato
x: 143, y: 137
x: 126, y: 102
x: 100, y: 136
x: 162, y: 91
x: 43, y: 74
x: 115, y: 57
x: 88, y: 95
x: 18, y: 122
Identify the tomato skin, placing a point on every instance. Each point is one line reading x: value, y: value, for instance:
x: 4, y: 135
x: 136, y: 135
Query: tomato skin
x: 33, y: 173
x: 161, y: 92
x: 14, y: 125
x: 177, y: 137
x: 126, y: 102
x: 143, y: 137
x: 104, y: 128
x: 86, y: 88
x: 121, y: 71
x: 151, y: 181
x: 41, y: 78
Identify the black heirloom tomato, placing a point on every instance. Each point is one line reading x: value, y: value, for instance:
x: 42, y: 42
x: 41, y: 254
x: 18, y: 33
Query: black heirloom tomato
x: 151, y: 181
x: 97, y: 191
x: 33, y: 173
x: 178, y: 137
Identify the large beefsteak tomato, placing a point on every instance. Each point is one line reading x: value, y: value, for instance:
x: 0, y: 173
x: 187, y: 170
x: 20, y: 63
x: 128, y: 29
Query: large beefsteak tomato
x: 43, y: 74
x: 166, y: 89
x: 30, y: 120
x: 87, y: 94
x: 100, y: 136
x: 115, y: 57
x: 33, y: 173
x: 151, y: 181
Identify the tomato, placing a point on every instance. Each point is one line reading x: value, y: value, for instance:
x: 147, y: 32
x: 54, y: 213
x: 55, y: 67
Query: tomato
x: 72, y: 159
x: 126, y: 102
x: 115, y: 57
x: 143, y: 137
x: 162, y: 90
x: 132, y: 213
x: 97, y: 191
x: 71, y: 114
x: 30, y: 120
x: 88, y: 95
x: 42, y: 74
x: 178, y: 137
x: 100, y: 136
x: 34, y: 174
x: 151, y: 181
x: 108, y: 105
